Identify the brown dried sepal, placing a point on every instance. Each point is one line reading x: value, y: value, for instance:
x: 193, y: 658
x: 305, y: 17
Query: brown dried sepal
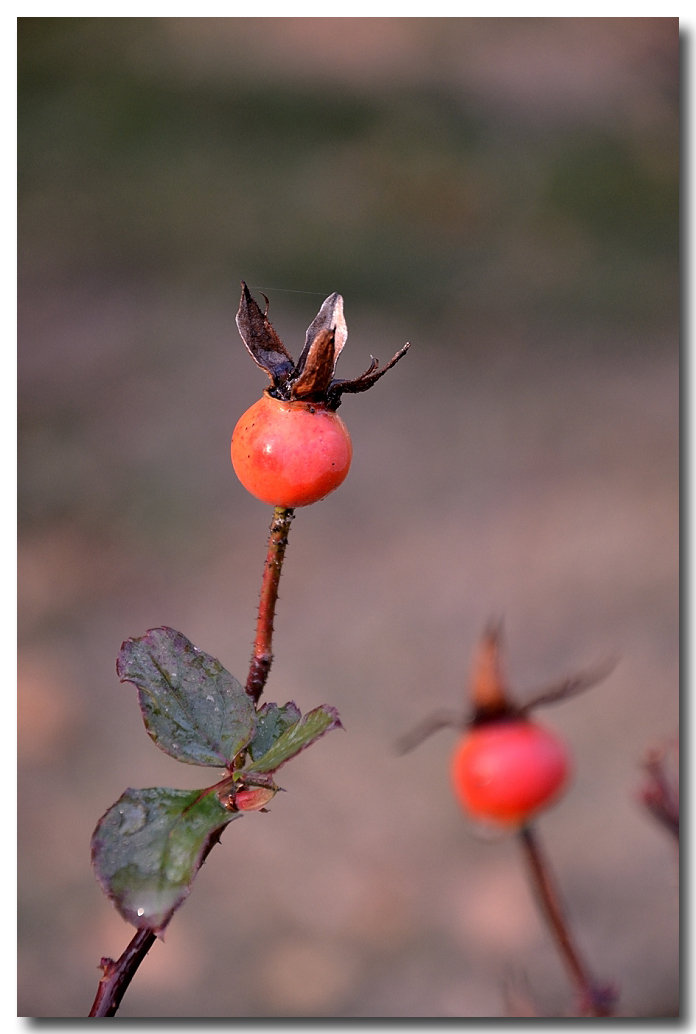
x: 261, y: 340
x: 488, y: 686
x: 490, y: 697
x: 311, y: 379
x: 490, y: 692
x: 312, y: 384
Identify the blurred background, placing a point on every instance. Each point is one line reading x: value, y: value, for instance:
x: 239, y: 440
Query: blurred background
x: 504, y: 194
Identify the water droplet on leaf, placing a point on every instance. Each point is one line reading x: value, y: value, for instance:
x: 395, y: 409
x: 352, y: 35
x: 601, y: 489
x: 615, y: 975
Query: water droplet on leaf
x: 133, y: 818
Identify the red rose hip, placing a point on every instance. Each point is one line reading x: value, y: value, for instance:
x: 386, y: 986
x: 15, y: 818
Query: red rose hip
x: 504, y: 772
x: 290, y: 453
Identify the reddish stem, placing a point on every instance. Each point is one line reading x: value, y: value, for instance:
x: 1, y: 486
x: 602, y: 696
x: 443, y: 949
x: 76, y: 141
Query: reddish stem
x: 661, y: 793
x: 262, y: 655
x: 118, y: 975
x: 595, y: 1000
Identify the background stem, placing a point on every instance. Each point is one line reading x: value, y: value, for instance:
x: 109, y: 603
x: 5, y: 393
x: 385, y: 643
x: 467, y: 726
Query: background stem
x: 595, y: 1000
x: 262, y: 655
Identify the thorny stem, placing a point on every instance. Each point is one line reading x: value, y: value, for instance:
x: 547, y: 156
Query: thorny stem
x: 661, y: 794
x: 595, y: 999
x: 262, y: 655
x: 118, y: 974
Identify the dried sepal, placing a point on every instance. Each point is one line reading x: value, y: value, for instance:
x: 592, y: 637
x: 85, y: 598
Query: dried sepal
x: 569, y: 687
x: 311, y: 379
x: 488, y: 686
x: 424, y: 730
x: 367, y: 379
x: 330, y: 317
x: 261, y: 340
x: 490, y: 695
x: 318, y: 368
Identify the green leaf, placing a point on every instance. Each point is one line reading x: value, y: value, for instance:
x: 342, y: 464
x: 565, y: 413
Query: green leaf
x: 271, y: 722
x: 295, y: 738
x: 192, y: 707
x: 148, y: 847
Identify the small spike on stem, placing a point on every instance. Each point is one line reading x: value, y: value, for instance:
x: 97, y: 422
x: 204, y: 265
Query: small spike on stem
x: 262, y: 655
x: 118, y: 975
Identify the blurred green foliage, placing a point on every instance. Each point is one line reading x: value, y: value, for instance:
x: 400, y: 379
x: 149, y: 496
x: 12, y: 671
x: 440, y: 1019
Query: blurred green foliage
x: 411, y: 195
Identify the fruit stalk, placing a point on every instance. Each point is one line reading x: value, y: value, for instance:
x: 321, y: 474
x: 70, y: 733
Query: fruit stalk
x: 595, y: 1000
x: 262, y: 655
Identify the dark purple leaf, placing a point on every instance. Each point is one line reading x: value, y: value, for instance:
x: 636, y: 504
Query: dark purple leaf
x: 192, y: 707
